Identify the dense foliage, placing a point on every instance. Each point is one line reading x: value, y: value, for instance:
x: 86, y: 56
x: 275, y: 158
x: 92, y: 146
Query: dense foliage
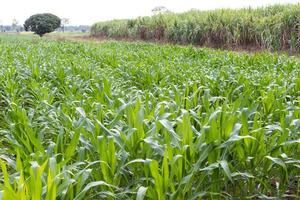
x: 274, y: 28
x: 41, y: 24
x: 134, y: 120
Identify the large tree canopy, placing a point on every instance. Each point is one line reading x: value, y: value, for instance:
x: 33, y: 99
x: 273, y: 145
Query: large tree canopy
x: 42, y: 23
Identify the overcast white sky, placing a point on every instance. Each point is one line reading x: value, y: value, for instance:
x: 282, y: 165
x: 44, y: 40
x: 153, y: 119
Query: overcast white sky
x: 90, y: 11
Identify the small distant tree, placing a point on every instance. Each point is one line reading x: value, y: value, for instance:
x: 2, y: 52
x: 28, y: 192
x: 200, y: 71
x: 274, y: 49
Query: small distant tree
x: 14, y: 25
x: 64, y: 22
x: 41, y: 24
x: 1, y: 26
x: 159, y: 10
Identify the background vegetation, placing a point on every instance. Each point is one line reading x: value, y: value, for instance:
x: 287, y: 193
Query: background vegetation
x: 274, y: 28
x: 121, y: 120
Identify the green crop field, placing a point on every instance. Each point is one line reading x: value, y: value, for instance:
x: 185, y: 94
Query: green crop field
x: 275, y: 27
x: 122, y: 120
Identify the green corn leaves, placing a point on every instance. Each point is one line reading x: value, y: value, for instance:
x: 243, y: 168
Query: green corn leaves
x: 122, y: 120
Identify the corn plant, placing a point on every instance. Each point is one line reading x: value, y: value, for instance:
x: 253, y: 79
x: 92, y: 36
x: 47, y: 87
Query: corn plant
x: 123, y: 120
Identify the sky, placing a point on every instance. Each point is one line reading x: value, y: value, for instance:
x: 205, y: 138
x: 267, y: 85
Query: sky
x: 87, y: 12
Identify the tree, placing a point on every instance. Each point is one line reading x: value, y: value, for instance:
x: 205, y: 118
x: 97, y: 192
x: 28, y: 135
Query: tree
x: 64, y: 22
x: 14, y: 25
x: 160, y: 10
x: 1, y: 26
x: 42, y: 23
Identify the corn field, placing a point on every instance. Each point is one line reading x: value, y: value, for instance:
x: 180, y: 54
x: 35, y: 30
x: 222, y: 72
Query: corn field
x: 122, y: 120
x: 273, y: 28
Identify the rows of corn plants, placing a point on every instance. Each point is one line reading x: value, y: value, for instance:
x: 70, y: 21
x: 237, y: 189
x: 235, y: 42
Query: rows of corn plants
x: 121, y: 120
x: 273, y: 28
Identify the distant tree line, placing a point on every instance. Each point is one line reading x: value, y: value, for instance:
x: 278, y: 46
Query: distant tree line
x: 11, y: 28
x: 20, y: 28
x: 80, y: 28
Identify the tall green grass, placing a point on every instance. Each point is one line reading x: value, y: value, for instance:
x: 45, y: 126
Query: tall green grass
x: 123, y: 120
x: 274, y: 28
